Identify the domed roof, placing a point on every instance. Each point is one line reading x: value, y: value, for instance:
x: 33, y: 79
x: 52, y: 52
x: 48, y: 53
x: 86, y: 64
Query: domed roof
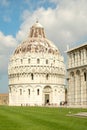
x: 37, y: 25
x: 37, y: 42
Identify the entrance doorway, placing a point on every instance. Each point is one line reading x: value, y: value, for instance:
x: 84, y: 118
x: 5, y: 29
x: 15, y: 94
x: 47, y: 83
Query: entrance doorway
x: 47, y: 99
x: 47, y: 91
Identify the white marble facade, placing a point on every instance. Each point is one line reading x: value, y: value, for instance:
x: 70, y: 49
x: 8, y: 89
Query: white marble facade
x: 77, y: 76
x: 36, y: 71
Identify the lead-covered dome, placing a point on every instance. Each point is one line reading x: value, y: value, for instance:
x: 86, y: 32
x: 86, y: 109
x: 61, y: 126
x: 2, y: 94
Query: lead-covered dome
x: 37, y: 42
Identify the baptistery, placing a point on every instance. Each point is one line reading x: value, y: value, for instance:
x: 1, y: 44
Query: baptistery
x: 36, y: 71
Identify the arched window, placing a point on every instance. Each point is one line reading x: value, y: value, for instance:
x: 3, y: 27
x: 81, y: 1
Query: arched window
x: 46, y: 61
x: 84, y: 76
x: 10, y: 89
x: 32, y: 76
x: 28, y: 61
x: 21, y: 61
x: 38, y: 91
x: 28, y: 91
x: 47, y: 75
x: 20, y: 91
x: 74, y: 57
x: 80, y: 54
x: 86, y: 51
x: 38, y: 61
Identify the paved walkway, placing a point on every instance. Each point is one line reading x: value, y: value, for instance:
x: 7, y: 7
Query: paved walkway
x: 81, y: 114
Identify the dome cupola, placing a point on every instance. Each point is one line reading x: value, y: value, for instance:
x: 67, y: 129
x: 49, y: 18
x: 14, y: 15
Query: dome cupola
x: 37, y: 42
x: 37, y: 31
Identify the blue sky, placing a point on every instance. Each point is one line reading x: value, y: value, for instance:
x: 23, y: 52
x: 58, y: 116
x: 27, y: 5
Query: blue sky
x: 11, y: 10
x: 65, y: 23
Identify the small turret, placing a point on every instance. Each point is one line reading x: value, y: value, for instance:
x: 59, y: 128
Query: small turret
x: 37, y: 31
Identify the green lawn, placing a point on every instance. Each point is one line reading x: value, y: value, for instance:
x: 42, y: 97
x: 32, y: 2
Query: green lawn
x: 40, y: 118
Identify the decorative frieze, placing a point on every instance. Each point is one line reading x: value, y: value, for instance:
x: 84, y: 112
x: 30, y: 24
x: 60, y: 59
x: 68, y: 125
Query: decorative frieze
x: 36, y: 66
x: 77, y: 88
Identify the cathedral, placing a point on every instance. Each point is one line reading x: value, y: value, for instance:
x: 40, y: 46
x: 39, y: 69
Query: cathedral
x: 77, y: 76
x: 36, y: 71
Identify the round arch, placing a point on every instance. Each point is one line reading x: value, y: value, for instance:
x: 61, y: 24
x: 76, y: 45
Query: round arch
x: 47, y: 92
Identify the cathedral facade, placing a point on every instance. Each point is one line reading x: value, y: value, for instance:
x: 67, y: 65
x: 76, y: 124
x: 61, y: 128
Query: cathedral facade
x: 36, y: 71
x: 77, y: 76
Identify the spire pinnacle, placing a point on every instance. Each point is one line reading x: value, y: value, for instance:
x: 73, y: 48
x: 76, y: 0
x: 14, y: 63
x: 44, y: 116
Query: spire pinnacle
x: 37, y: 30
x: 36, y: 20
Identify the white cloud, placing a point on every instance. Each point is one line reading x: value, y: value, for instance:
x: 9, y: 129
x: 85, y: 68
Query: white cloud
x: 64, y: 25
x: 7, y: 41
x: 7, y: 45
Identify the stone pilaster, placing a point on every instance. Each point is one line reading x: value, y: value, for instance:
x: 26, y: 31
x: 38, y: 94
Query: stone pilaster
x: 82, y: 87
x: 84, y: 54
x: 82, y: 57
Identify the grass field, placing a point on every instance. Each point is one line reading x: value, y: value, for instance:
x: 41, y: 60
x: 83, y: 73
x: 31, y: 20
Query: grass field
x: 40, y: 118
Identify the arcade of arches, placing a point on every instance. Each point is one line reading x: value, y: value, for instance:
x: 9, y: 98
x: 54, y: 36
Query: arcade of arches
x: 77, y: 76
x: 77, y: 91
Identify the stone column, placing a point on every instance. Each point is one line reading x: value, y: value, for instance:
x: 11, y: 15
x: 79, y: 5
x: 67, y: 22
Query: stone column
x: 81, y: 57
x: 84, y: 56
x: 86, y: 88
x: 71, y: 90
x: 68, y: 92
x: 69, y: 60
x: 75, y: 89
x: 82, y: 87
x: 78, y: 88
x: 76, y: 58
x: 72, y: 65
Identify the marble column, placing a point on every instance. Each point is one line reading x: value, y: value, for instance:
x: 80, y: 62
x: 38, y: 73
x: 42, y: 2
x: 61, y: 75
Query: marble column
x: 84, y: 56
x: 82, y: 87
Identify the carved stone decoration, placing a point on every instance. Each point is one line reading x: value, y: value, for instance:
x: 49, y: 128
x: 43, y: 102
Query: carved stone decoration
x: 47, y: 89
x: 34, y: 80
x: 77, y: 76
